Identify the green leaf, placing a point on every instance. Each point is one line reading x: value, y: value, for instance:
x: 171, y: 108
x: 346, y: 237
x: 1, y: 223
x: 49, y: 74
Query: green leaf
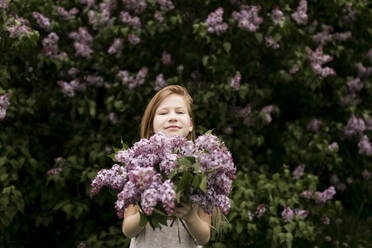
x: 203, y: 184
x: 259, y: 37
x: 205, y: 60
x: 196, y: 181
x: 143, y: 219
x: 227, y: 46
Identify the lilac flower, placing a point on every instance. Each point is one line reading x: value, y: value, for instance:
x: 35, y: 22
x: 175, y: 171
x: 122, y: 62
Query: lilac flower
x: 160, y: 82
x: 68, y: 89
x: 350, y: 14
x: 133, y: 39
x: 277, y: 15
x: 82, y: 244
x: 300, y: 16
x: 158, y: 16
x: 166, y: 58
x: 362, y: 70
x: 73, y: 71
x: 140, y: 78
x: 116, y: 47
x: 369, y: 124
x: 270, y: 42
x: 82, y: 36
x: 235, y: 82
x: 4, y: 104
x: 229, y: 130
x: 3, y: 5
x: 333, y: 147
x: 248, y: 18
x: 54, y: 171
x: 18, y: 27
x: 165, y: 5
x: 138, y: 6
x: 365, y: 146
x: 116, y: 177
x: 314, y: 125
x: 250, y: 215
x: 366, y: 174
x: 341, y: 186
x: 215, y: 22
x: 317, y: 59
x: 298, y: 172
x: 354, y: 126
x: 125, y: 77
x: 223, y: 203
x: 294, y: 69
x: 89, y: 3
x: 50, y: 45
x: 97, y: 81
x: 302, y: 213
x: 307, y: 194
x: 260, y: 210
x: 287, y: 214
x: 167, y: 196
x: 268, y: 110
x: 325, y: 220
x: 113, y: 117
x: 149, y: 199
x: 355, y: 85
x: 66, y: 15
x: 349, y: 180
x: 41, y: 20
x: 322, y: 197
x: 325, y: 36
x: 82, y: 50
x: 135, y: 22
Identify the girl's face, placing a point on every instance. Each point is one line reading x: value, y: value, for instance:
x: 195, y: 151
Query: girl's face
x: 172, y: 117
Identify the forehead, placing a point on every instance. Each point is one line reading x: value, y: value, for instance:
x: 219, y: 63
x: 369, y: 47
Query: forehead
x: 173, y: 101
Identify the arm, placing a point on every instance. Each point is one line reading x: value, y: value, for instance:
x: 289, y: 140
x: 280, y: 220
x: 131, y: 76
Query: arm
x: 131, y: 222
x: 197, y: 221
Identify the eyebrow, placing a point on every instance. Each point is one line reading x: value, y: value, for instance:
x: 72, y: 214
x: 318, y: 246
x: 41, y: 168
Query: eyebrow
x: 166, y: 108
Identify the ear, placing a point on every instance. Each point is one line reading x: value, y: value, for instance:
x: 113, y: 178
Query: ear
x: 191, y: 125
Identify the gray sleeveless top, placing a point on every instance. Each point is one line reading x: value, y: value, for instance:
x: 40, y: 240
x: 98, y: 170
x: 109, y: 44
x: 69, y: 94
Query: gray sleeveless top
x: 167, y: 237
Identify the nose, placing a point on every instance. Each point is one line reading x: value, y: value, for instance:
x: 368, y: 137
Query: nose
x: 172, y: 117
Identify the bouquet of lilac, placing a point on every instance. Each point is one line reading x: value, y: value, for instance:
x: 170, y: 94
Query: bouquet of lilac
x: 160, y: 172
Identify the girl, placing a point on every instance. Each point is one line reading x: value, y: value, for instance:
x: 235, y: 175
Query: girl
x: 169, y: 111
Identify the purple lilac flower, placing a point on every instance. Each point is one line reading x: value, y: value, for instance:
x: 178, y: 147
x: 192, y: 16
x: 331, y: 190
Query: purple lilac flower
x: 133, y: 39
x: 223, y: 203
x: 4, y: 104
x: 350, y: 14
x: 82, y: 50
x: 50, y: 45
x: 82, y: 36
x: 248, y: 18
x: 300, y: 16
x: 270, y: 42
x: 41, y: 20
x: 268, y: 110
x: 354, y: 126
x: 165, y: 5
x: 229, y: 130
x: 96, y: 81
x: 277, y: 15
x: 355, y: 85
x: 341, y: 187
x: 135, y: 22
x: 287, y: 214
x: 349, y: 180
x: 89, y: 3
x: 314, y: 125
x: 302, y: 213
x: 364, y: 145
x: 325, y: 36
x: 260, y: 210
x: 317, y: 59
x: 160, y: 82
x: 18, y: 27
x: 362, y: 70
x: 366, y: 174
x: 137, y: 6
x: 159, y: 17
x: 66, y: 15
x: 113, y: 117
x: 369, y: 124
x: 116, y: 47
x: 322, y: 197
x: 369, y: 54
x: 149, y: 199
x: 215, y: 22
x: 166, y: 58
x: 54, y: 171
x: 82, y: 244
x: 298, y: 172
x: 250, y: 215
x: 167, y: 196
x: 140, y: 78
x: 3, y: 5
x: 73, y: 71
x: 68, y: 89
x: 307, y: 194
x: 235, y: 82
x: 333, y: 147
x: 115, y: 177
x: 325, y: 220
x: 294, y: 69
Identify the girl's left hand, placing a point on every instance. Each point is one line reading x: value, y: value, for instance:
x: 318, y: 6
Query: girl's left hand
x: 186, y: 212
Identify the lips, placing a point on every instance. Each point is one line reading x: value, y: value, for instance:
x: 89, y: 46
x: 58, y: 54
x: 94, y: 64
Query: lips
x: 172, y: 127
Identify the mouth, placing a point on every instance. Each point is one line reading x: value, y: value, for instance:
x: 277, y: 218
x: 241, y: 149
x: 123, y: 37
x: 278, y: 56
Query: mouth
x: 172, y: 127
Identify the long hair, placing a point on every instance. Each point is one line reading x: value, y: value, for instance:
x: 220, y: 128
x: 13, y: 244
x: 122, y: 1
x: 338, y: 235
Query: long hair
x: 147, y: 128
